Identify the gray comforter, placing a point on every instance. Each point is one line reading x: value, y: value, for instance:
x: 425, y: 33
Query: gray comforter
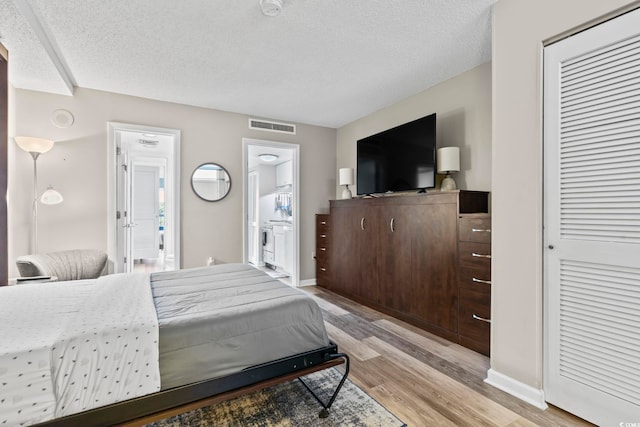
x: 221, y: 319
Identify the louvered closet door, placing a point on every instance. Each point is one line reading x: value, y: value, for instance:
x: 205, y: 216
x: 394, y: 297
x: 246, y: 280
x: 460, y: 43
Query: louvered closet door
x: 592, y: 222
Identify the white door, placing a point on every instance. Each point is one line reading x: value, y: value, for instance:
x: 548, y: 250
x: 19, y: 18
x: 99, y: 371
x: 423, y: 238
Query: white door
x: 145, y: 216
x: 592, y: 222
x: 288, y: 249
x: 124, y: 261
x: 253, y: 230
x: 278, y: 246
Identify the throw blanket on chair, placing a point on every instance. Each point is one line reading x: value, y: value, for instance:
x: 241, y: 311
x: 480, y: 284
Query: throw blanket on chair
x: 75, y: 264
x: 67, y: 347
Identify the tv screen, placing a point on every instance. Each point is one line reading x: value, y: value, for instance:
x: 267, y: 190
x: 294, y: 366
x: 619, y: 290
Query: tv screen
x: 399, y: 159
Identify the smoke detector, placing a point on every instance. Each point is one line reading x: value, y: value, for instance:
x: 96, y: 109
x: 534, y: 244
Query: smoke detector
x: 271, y: 7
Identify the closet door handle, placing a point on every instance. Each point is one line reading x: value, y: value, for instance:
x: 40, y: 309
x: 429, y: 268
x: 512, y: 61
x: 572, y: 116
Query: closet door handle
x: 324, y: 249
x: 480, y: 230
x: 488, y: 282
x: 362, y: 223
x: 323, y: 222
x: 324, y: 269
x: 475, y: 316
x: 480, y: 255
x: 323, y: 235
x: 392, y: 224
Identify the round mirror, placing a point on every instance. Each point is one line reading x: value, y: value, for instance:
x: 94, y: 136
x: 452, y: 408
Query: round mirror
x: 210, y: 182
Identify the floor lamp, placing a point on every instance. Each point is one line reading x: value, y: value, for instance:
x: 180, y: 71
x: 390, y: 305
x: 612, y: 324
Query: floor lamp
x: 35, y: 147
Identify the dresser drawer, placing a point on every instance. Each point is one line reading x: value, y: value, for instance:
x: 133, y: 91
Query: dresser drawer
x: 323, y: 275
x: 474, y: 254
x: 474, y: 320
x: 323, y: 228
x: 475, y: 278
x: 323, y: 224
x: 322, y: 256
x: 475, y: 228
x: 322, y: 240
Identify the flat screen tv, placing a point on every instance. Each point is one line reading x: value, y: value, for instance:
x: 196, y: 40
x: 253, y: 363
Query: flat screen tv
x: 399, y: 159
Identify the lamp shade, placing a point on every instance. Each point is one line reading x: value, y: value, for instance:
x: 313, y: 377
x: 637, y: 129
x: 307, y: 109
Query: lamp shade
x: 346, y: 176
x: 31, y: 144
x: 448, y: 159
x: 51, y: 197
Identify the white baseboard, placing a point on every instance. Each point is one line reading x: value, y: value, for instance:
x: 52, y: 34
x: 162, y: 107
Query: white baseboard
x: 307, y: 282
x: 516, y: 388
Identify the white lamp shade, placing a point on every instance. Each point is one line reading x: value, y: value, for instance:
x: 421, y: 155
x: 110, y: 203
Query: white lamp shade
x: 448, y: 159
x: 346, y: 176
x: 51, y: 197
x: 31, y: 144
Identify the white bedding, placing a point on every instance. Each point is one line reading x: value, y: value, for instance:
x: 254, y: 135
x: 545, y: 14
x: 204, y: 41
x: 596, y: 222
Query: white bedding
x: 88, y: 343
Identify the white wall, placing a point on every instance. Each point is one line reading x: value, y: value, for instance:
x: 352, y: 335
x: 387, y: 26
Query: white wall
x: 77, y: 167
x: 463, y: 108
x: 519, y: 29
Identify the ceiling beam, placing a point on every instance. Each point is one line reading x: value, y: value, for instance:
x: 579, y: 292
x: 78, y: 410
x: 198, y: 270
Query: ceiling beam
x: 48, y: 43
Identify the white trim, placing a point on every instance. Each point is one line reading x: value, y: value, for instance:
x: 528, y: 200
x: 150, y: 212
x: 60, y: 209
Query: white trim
x: 522, y: 391
x: 308, y: 282
x: 112, y: 128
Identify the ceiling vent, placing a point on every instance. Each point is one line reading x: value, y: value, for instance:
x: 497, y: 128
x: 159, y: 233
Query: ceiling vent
x: 149, y: 143
x: 272, y: 126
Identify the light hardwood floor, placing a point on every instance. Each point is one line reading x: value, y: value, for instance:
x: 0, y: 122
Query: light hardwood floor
x: 423, y: 379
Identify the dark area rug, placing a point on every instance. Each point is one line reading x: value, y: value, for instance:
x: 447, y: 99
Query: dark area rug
x: 291, y: 404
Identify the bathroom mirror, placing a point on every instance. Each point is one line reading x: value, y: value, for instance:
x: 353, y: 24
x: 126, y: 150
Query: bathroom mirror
x: 210, y: 182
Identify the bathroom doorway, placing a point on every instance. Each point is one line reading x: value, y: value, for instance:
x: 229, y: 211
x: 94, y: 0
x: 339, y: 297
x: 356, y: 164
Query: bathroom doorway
x: 271, y: 212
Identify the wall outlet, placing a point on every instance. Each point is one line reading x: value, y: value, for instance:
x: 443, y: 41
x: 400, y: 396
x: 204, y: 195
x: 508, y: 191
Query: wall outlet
x: 313, y: 254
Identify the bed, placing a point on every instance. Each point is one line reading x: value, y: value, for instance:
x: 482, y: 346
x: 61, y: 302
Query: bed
x: 122, y: 347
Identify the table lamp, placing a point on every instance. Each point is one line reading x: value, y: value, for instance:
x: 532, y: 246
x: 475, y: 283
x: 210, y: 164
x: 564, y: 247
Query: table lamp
x: 346, y: 179
x: 448, y: 160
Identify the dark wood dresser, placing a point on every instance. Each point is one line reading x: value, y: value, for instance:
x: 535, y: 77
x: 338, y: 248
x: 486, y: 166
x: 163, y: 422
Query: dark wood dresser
x: 323, y: 239
x: 474, y: 281
x: 400, y: 255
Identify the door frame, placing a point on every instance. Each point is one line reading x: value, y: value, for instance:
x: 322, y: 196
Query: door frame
x: 295, y: 187
x: 253, y: 176
x: 112, y: 131
x: 4, y: 132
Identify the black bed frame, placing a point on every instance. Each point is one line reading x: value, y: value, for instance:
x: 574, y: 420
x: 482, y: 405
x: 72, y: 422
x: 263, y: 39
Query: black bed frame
x: 176, y: 397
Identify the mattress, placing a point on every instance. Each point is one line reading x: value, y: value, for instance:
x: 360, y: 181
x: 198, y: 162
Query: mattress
x: 221, y: 319
x: 66, y: 347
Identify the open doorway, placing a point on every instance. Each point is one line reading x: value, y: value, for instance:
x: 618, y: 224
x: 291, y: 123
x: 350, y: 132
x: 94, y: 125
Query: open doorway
x: 271, y: 197
x: 144, y: 227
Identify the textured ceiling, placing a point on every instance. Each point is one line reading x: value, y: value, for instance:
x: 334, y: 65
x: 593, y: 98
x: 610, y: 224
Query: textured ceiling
x: 323, y: 62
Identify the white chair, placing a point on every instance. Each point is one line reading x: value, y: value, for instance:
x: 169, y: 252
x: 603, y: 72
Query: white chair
x: 73, y: 264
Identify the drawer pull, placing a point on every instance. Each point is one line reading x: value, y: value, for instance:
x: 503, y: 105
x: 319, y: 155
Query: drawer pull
x: 480, y: 255
x: 475, y: 316
x: 324, y: 249
x: 488, y: 282
x: 481, y: 230
x: 323, y: 236
x: 323, y: 222
x: 324, y: 269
